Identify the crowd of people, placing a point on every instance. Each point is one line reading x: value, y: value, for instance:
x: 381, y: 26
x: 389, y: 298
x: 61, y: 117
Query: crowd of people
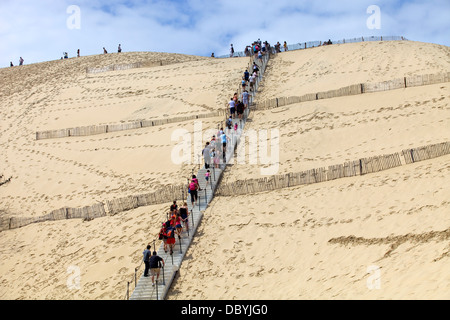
x: 65, y: 56
x: 214, y: 153
x: 257, y: 48
x: 172, y: 228
x: 20, y: 62
x: 278, y: 47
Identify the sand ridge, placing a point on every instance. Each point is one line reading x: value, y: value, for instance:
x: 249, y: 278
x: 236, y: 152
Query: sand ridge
x: 275, y: 245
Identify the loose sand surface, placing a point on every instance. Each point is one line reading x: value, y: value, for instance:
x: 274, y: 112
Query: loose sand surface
x: 322, y: 241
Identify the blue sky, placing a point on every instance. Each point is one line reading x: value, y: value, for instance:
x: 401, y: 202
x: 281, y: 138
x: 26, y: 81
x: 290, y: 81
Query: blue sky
x: 41, y: 30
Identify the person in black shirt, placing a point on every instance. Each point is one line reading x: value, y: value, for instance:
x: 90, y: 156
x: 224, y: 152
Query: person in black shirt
x: 240, y: 109
x: 246, y: 75
x: 155, y: 266
x: 174, y: 207
x: 184, y: 213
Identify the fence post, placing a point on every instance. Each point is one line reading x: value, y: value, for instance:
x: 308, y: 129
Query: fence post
x: 135, y: 276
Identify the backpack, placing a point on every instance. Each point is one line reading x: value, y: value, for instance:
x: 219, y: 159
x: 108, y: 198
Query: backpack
x: 192, y: 186
x: 171, y: 233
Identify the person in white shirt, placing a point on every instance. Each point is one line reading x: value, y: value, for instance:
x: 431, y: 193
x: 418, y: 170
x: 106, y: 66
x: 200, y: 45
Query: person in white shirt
x: 245, y: 99
x: 232, y: 107
x: 206, y: 155
x: 252, y: 81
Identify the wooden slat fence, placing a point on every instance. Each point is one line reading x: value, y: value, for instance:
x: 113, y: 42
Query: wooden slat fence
x: 100, y: 129
x: 348, y: 169
x: 114, y: 67
x: 110, y: 207
x: 426, y: 152
x: 360, y: 88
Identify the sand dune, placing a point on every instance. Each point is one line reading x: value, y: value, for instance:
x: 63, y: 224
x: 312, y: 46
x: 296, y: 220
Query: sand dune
x: 332, y: 131
x: 80, y: 171
x: 332, y: 67
x: 299, y: 243
x: 327, y: 241
x: 307, y: 242
x: 39, y: 261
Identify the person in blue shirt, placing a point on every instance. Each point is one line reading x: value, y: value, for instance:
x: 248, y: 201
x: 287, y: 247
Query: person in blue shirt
x: 224, y: 139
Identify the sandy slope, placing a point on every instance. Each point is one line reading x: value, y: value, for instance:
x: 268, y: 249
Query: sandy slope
x: 321, y: 241
x: 332, y: 131
x: 331, y: 67
x: 79, y: 171
x: 40, y: 261
x: 297, y: 243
